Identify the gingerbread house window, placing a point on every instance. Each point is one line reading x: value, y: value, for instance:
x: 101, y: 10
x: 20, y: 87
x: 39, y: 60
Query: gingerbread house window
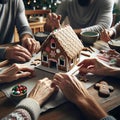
x: 72, y: 61
x: 53, y: 45
x: 45, y: 57
x: 62, y: 61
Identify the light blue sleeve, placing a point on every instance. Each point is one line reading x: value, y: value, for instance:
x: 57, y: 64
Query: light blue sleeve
x: 108, y: 118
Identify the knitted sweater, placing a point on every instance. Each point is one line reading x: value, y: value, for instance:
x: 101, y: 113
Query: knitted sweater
x: 95, y: 17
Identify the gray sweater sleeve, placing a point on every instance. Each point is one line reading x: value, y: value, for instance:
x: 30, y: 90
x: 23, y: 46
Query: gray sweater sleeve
x: 31, y: 106
x: 93, y: 18
x: 104, y: 19
x: 21, y: 20
x: 27, y: 109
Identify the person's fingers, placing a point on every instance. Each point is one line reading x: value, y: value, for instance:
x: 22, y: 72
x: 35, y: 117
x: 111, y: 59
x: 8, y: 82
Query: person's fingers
x: 23, y: 49
x: 9, y: 69
x: 28, y: 44
x: 37, y: 48
x: 21, y: 56
x: 58, y: 77
x: 22, y: 75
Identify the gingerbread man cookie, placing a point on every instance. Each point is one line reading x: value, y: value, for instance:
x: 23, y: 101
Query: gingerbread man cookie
x: 104, y: 88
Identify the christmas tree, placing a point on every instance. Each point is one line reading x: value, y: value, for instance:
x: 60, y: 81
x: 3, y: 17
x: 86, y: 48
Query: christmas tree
x: 42, y: 4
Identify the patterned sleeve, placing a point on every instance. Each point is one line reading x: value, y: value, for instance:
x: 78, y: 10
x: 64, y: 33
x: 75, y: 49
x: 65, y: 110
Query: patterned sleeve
x: 18, y: 114
x: 27, y: 109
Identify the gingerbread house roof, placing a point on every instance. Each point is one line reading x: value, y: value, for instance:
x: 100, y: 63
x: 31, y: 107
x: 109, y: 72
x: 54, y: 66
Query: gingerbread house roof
x: 68, y: 40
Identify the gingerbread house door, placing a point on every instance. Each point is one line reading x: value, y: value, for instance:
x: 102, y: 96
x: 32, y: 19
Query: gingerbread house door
x: 53, y: 63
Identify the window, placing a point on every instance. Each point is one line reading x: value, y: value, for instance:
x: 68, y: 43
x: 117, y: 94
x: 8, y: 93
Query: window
x: 53, y: 45
x: 62, y: 60
x: 45, y: 57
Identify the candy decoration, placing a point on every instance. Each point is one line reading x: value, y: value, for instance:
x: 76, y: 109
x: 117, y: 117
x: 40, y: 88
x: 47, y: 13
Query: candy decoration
x: 19, y: 90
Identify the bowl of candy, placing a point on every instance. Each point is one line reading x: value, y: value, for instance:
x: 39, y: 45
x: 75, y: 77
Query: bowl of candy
x: 114, y: 44
x: 18, y: 92
x: 89, y: 37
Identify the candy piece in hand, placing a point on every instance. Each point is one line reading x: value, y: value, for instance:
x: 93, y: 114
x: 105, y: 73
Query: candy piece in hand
x: 104, y: 88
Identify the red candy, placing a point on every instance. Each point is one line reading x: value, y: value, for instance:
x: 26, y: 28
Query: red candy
x: 19, y: 90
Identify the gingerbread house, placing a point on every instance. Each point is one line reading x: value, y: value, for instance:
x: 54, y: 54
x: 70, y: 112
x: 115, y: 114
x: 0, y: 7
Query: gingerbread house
x: 61, y: 50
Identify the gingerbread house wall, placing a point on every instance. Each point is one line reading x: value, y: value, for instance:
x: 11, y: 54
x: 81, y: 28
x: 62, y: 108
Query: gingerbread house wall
x: 54, y: 54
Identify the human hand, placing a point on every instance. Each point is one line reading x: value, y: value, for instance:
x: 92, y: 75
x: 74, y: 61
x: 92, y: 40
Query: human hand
x: 52, y: 22
x: 31, y: 45
x: 42, y: 91
x: 95, y: 66
x: 17, y: 53
x: 71, y: 87
x: 75, y: 92
x: 106, y: 35
x: 78, y: 31
x: 15, y: 72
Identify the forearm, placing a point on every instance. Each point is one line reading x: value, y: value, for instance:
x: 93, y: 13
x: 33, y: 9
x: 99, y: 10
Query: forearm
x: 22, y: 22
x: 25, y: 36
x: 91, y: 109
x: 116, y: 73
x: 113, y: 71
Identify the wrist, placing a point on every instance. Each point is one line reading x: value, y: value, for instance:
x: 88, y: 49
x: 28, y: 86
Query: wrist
x: 91, y: 108
x: 24, y: 37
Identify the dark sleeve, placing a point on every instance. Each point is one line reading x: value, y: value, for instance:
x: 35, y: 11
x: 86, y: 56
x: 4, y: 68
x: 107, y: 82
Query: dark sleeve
x: 61, y: 10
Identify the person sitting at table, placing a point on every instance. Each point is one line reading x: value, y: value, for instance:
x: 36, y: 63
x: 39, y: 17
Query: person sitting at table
x: 12, y: 14
x: 113, y: 32
x: 15, y: 72
x: 29, y: 108
x: 97, y: 67
x: 73, y: 90
x: 83, y: 15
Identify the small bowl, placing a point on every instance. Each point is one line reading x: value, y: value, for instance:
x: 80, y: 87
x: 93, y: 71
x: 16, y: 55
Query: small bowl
x: 18, y: 92
x: 114, y: 44
x: 41, y: 36
x: 89, y: 37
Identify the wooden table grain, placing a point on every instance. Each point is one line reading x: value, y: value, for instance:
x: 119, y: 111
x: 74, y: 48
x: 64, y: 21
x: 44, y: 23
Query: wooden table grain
x: 68, y: 111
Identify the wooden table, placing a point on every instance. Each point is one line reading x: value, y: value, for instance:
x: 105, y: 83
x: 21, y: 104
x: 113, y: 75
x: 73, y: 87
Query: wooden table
x: 68, y: 110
